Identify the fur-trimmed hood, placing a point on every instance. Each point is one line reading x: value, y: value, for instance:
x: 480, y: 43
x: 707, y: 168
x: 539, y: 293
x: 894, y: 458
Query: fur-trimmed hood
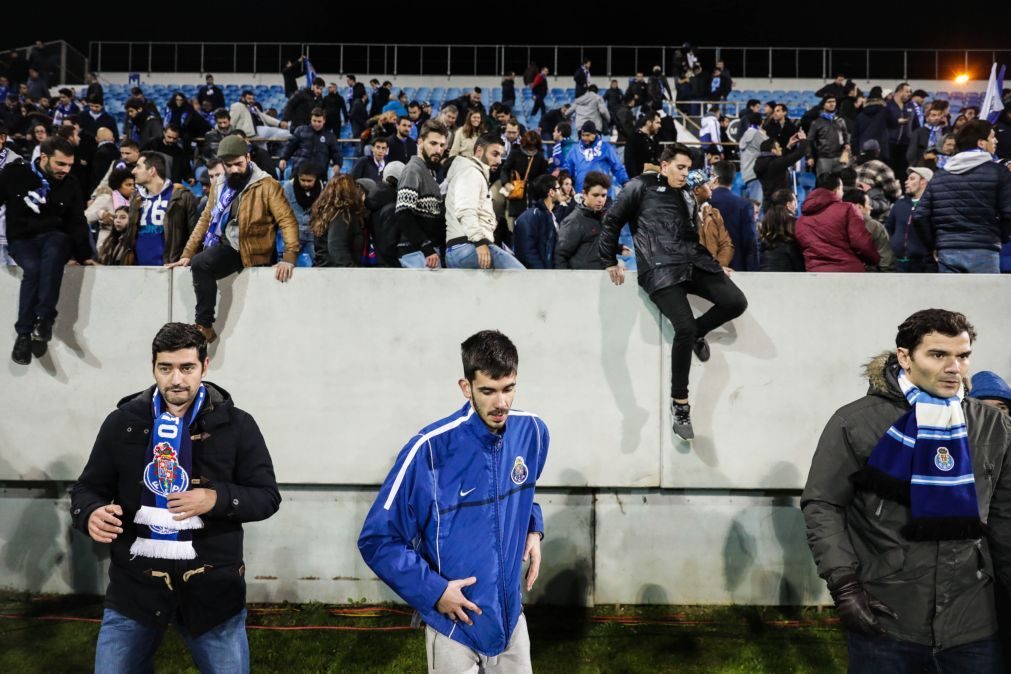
x: 882, y: 372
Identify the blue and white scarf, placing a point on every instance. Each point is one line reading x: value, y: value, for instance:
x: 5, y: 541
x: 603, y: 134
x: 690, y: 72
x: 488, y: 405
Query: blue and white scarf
x: 923, y: 460
x: 593, y: 151
x: 36, y: 198
x: 168, y: 472
x: 830, y: 116
x: 219, y: 215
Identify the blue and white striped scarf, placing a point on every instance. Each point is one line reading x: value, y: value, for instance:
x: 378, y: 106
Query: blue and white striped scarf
x: 923, y: 460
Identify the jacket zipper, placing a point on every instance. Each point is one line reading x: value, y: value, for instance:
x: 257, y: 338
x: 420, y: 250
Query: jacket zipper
x: 497, y: 454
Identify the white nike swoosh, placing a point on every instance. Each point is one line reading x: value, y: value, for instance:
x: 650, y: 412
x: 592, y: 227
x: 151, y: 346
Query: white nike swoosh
x: 464, y: 493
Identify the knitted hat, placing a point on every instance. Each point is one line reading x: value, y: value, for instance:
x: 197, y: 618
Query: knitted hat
x: 232, y: 146
x: 393, y: 170
x: 588, y: 127
x: 988, y: 385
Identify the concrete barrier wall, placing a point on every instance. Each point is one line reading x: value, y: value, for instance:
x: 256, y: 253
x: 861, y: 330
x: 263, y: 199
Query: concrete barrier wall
x: 341, y: 367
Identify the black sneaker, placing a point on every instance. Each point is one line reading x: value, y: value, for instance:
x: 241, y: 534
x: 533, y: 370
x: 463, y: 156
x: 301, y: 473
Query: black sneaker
x: 43, y: 331
x: 41, y: 336
x: 22, y: 353
x: 701, y: 349
x: 681, y: 420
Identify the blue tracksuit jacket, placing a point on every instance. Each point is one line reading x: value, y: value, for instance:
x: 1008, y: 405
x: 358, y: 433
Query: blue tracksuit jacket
x: 459, y: 502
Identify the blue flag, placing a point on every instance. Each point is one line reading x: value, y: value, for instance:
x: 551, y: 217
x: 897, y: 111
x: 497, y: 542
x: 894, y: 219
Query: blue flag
x: 993, y: 106
x: 310, y: 73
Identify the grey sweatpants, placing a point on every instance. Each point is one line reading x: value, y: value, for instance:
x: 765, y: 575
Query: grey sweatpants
x: 446, y: 656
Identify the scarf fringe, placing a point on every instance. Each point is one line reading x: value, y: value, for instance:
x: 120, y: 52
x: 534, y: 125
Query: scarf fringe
x: 159, y: 517
x: 884, y: 485
x: 944, y: 529
x: 159, y: 549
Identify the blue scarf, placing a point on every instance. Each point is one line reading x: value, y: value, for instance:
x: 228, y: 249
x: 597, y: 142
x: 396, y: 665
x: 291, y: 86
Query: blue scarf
x: 935, y: 135
x: 923, y: 460
x: 171, y: 451
x: 37, y: 197
x: 830, y: 116
x: 219, y: 215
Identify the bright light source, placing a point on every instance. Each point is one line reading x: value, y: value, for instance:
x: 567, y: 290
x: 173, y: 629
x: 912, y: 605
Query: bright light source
x: 962, y: 79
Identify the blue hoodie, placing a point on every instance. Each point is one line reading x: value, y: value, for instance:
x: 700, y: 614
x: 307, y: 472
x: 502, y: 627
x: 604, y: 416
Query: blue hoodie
x: 597, y: 156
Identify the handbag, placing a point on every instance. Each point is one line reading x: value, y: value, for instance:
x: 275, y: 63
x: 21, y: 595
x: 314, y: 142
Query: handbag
x: 519, y: 186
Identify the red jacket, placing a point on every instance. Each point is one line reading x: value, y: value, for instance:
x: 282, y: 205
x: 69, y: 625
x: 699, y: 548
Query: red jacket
x: 832, y: 235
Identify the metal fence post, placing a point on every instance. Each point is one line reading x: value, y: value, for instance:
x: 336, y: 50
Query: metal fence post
x: 744, y: 62
x: 905, y: 65
x: 770, y: 64
x: 554, y: 71
x: 368, y: 64
x: 867, y: 65
x: 449, y: 60
x: 235, y: 57
x: 63, y: 61
x: 201, y: 57
x: 129, y: 57
x: 395, y: 56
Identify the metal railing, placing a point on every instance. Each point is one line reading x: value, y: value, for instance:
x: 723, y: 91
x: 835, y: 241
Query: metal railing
x: 69, y: 64
x: 493, y: 60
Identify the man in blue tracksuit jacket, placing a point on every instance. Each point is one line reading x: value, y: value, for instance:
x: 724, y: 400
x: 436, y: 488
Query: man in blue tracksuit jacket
x: 455, y: 519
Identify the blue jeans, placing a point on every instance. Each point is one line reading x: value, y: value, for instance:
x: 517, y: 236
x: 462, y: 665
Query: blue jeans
x: 464, y: 256
x: 968, y: 261
x: 42, y: 258
x: 125, y: 645
x: 890, y: 656
x: 753, y: 190
x: 415, y: 260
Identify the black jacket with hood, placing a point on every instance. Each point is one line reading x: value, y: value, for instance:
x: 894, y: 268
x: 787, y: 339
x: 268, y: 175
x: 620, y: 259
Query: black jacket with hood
x: 942, y: 591
x: 229, y: 456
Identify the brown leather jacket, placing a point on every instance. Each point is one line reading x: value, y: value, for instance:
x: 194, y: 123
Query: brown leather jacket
x: 262, y: 208
x: 714, y: 236
x: 180, y: 218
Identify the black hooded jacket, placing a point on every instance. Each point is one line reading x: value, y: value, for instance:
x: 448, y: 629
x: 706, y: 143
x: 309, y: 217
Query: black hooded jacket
x: 230, y: 457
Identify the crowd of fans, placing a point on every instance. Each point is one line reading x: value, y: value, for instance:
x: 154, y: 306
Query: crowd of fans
x: 899, y: 185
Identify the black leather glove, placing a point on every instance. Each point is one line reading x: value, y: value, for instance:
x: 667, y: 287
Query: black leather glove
x: 856, y: 607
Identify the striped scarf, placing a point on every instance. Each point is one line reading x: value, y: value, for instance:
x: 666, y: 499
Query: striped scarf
x: 923, y: 460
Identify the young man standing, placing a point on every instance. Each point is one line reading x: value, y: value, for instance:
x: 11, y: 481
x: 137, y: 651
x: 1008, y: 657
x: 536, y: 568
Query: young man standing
x: 428, y: 535
x: 673, y: 264
x: 908, y: 508
x: 174, y: 473
x: 162, y: 213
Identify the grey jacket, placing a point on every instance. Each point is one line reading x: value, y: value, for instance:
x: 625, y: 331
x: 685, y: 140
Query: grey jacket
x: 590, y: 107
x: 942, y: 591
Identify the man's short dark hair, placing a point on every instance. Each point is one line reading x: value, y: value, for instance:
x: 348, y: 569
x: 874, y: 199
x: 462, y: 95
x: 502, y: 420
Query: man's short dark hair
x: 155, y: 160
x: 318, y: 112
x: 854, y: 195
x: 767, y: 145
x: 318, y: 82
x: 174, y: 127
x: 541, y: 185
x: 135, y: 103
x: 781, y: 105
x: 247, y: 92
x: 54, y: 144
x: 949, y: 323
x: 752, y: 101
x: 829, y: 181
x: 66, y: 92
x: 96, y: 99
x: 432, y: 126
x: 381, y: 139
x: 414, y: 104
x: 130, y: 144
x: 848, y: 176
x: 308, y: 168
x: 65, y: 131
x: 968, y: 136
x: 594, y: 179
x: 725, y: 173
x: 212, y: 162
x: 564, y: 129
x: 674, y: 150
x: 484, y: 140
x: 119, y: 176
x: 490, y: 352
x: 176, y: 337
x: 221, y: 113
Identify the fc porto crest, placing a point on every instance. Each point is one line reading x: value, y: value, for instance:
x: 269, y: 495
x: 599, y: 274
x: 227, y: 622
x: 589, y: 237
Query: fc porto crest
x: 164, y: 475
x: 943, y: 460
x: 519, y: 472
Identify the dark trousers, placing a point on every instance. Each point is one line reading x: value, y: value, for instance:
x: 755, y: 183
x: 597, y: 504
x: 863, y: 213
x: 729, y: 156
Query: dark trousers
x: 42, y: 258
x: 915, y: 265
x: 208, y: 267
x: 728, y: 303
x: 870, y: 655
x: 898, y: 158
x: 538, y: 105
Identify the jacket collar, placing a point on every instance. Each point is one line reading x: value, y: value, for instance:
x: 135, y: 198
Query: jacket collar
x: 477, y: 428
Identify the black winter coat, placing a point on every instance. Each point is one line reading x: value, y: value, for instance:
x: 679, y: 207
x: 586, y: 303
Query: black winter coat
x: 309, y: 145
x: 873, y: 123
x: 906, y: 242
x: 780, y: 256
x: 62, y: 212
x: 298, y: 111
x: 774, y: 172
x: 970, y: 209
x: 577, y: 240
x: 229, y: 456
x: 663, y: 224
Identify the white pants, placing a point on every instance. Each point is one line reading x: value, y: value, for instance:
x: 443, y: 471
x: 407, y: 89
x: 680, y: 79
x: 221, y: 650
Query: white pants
x: 446, y: 656
x: 272, y: 133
